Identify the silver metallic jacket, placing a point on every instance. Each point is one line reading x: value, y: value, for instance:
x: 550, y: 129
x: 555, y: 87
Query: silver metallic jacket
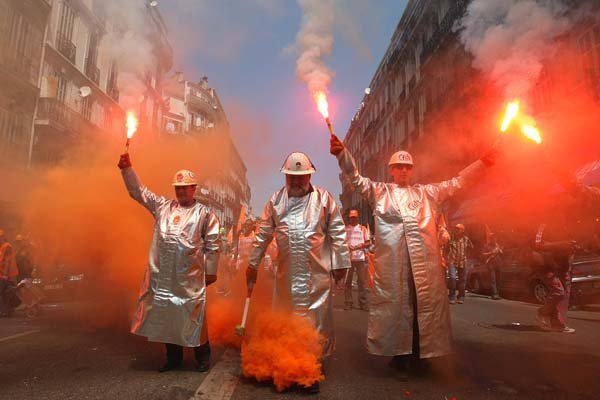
x: 311, y: 241
x: 591, y: 195
x: 405, y: 238
x: 184, y: 249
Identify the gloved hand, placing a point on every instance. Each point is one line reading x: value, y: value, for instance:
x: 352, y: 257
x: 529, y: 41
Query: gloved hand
x: 339, y: 274
x: 124, y: 161
x: 490, y: 157
x: 251, y: 275
x: 335, y: 145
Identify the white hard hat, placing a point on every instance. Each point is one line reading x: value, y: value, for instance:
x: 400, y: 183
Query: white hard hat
x: 401, y: 157
x: 184, y: 177
x: 298, y: 164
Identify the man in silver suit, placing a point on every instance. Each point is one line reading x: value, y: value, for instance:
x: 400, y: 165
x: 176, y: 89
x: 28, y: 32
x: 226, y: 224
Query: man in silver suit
x: 311, y: 240
x: 409, y: 316
x: 182, y: 262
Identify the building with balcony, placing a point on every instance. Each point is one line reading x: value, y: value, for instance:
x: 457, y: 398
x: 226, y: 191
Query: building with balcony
x: 22, y: 28
x: 194, y: 112
x: 424, y: 73
x: 423, y: 66
x: 80, y: 94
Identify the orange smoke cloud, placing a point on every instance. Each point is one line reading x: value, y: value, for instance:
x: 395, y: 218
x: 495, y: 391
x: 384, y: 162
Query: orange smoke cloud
x: 80, y: 215
x: 284, y: 348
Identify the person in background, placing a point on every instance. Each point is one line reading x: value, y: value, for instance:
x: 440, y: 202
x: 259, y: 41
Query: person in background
x: 24, y: 257
x: 557, y: 251
x: 491, y: 254
x: 8, y: 275
x: 358, y: 239
x: 459, y: 248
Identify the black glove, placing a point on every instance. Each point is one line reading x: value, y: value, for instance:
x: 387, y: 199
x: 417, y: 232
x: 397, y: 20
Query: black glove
x: 490, y: 157
x: 124, y: 161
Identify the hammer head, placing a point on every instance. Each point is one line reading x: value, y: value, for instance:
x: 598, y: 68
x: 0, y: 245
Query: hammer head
x: 240, y: 330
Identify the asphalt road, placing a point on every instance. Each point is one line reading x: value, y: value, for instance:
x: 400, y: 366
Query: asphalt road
x: 500, y: 354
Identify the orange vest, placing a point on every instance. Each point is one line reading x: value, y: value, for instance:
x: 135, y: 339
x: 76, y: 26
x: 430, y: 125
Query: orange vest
x: 8, y: 264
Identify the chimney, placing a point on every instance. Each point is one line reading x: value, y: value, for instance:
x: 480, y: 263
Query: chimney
x: 179, y: 76
x: 204, y: 82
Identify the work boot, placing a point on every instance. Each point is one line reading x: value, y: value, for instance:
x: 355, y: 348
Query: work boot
x: 202, y: 354
x: 174, y: 357
x: 348, y: 306
x: 460, y: 301
x: 496, y: 297
x: 401, y: 362
x: 419, y: 366
x: 364, y: 308
x: 168, y: 366
x: 452, y: 301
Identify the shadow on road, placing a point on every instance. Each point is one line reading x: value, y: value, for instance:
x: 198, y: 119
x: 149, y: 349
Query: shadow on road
x: 519, y: 328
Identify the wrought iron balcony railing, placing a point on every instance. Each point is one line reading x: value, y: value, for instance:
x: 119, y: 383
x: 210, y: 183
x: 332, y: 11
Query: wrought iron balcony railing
x: 66, y: 47
x: 113, y: 92
x: 92, y: 71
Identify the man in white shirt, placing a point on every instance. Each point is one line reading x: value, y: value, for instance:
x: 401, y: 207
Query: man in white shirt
x: 358, y: 239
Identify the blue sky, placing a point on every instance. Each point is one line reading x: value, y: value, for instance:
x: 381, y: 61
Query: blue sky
x: 241, y: 47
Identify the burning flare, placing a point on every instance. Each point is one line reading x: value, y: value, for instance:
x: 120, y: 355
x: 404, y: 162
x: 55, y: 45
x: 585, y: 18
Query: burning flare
x: 322, y: 104
x: 512, y: 110
x: 131, y: 124
x: 323, y: 107
x: 526, y: 122
x: 531, y: 132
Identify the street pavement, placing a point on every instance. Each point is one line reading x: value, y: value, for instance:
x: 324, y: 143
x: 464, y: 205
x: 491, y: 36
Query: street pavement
x: 500, y: 354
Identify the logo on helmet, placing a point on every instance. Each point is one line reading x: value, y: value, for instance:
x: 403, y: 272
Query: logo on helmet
x: 179, y: 177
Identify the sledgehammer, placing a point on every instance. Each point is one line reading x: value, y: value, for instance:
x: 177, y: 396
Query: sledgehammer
x: 240, y: 330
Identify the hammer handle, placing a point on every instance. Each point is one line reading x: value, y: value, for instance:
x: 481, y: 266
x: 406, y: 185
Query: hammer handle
x: 245, y: 315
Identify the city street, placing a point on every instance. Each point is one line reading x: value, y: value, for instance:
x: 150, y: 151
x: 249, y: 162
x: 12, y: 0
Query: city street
x: 500, y: 354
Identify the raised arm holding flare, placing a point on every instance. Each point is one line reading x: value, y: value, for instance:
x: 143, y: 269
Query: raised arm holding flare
x: 409, y: 315
x: 182, y: 262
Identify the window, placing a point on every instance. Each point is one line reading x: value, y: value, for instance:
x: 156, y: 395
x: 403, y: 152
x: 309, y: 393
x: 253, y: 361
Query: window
x: 61, y: 92
x: 86, y: 107
x: 66, y: 20
x: 411, y: 120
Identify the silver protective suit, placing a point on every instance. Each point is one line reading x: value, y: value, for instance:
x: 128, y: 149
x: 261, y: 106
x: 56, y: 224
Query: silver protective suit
x: 591, y: 195
x: 184, y: 249
x: 311, y: 241
x: 406, y: 237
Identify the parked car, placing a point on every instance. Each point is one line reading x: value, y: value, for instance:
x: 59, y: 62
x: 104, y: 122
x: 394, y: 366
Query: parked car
x: 519, y: 279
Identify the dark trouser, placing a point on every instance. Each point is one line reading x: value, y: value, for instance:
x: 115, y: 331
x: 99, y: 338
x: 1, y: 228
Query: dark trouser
x: 6, y: 296
x: 416, y: 346
x: 175, y: 353
x: 360, y: 268
x: 493, y: 280
x: 557, y: 301
x: 461, y: 274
